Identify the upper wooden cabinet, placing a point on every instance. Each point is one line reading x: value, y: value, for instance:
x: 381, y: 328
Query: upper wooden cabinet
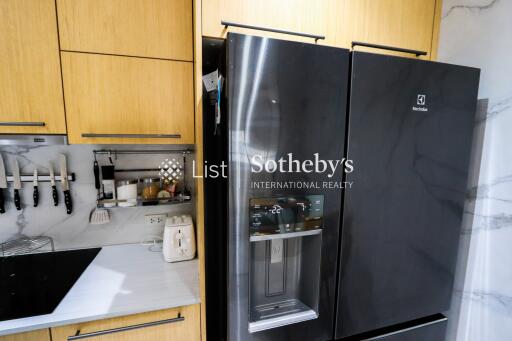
x: 408, y: 24
x: 399, y: 23
x: 304, y: 16
x: 30, y: 80
x: 145, y: 28
x: 116, y: 99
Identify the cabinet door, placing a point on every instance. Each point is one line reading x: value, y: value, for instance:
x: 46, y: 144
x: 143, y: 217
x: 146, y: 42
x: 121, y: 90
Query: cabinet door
x: 147, y: 28
x: 399, y: 23
x: 36, y: 335
x: 113, y: 99
x: 157, y: 325
x: 305, y: 16
x: 30, y: 79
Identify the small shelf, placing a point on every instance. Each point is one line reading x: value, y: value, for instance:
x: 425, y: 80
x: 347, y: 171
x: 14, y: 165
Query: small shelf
x: 180, y: 199
x: 262, y: 237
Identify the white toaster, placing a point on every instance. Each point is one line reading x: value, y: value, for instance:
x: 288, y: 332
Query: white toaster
x: 179, y: 239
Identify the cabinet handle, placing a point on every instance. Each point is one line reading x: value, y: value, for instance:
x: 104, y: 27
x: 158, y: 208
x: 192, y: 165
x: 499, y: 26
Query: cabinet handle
x: 22, y: 124
x: 267, y: 29
x: 135, y: 136
x: 390, y: 48
x: 79, y: 336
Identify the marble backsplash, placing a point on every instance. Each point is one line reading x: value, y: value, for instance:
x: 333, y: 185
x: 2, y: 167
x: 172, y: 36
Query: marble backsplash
x: 478, y: 33
x: 74, y: 231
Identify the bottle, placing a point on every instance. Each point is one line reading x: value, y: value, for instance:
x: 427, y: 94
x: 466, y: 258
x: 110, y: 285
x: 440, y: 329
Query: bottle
x: 108, y: 182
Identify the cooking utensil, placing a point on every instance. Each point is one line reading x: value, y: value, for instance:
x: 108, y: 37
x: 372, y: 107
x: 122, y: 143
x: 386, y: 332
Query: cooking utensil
x: 3, y: 185
x: 65, y: 183
x: 36, y: 191
x: 17, y: 184
x: 55, y: 195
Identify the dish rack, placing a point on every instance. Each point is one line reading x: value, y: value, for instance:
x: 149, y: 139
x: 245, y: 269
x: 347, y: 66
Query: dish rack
x: 25, y: 245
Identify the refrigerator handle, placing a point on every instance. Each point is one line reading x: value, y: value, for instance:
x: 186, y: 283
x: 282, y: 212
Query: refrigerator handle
x: 390, y: 48
x: 267, y: 29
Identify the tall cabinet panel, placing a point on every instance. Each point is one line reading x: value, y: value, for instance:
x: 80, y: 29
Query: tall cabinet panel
x: 30, y: 79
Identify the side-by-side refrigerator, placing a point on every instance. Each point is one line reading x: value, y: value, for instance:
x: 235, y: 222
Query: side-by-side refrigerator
x: 291, y: 255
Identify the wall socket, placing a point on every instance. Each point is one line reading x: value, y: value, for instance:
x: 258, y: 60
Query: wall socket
x: 155, y: 219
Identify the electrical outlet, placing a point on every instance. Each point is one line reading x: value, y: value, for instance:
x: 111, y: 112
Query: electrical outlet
x: 155, y: 219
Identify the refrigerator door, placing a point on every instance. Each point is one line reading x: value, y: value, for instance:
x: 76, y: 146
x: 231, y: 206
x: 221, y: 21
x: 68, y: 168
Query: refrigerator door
x: 410, y: 133
x: 284, y: 97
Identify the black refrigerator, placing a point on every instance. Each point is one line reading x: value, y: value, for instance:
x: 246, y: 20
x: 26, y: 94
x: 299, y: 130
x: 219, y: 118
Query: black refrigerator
x: 410, y: 134
x: 272, y: 235
x: 372, y: 259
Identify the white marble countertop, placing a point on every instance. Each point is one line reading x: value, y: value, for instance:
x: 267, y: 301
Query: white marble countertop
x: 121, y: 280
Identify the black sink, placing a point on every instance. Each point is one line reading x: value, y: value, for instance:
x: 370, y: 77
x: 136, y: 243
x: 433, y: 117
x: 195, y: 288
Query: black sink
x: 35, y: 284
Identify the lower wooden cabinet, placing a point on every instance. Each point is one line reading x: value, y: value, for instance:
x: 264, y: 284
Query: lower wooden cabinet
x: 35, y: 335
x: 172, y: 324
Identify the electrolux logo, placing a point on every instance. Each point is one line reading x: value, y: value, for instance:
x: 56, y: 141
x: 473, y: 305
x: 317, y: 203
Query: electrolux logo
x: 421, y: 102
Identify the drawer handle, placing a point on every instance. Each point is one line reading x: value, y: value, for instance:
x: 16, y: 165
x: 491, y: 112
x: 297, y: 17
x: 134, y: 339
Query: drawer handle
x: 79, y: 336
x: 22, y: 124
x: 135, y: 136
x: 267, y: 29
x: 390, y: 48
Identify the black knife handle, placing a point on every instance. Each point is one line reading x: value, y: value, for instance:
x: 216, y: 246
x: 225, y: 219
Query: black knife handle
x: 36, y: 196
x: 55, y: 196
x: 2, y: 201
x: 68, y: 202
x: 96, y: 170
x: 17, y: 199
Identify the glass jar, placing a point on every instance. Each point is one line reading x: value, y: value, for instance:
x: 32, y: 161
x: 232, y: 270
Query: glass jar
x: 150, y: 188
x: 127, y: 193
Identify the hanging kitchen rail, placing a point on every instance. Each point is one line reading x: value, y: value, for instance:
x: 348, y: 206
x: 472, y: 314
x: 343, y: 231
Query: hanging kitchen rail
x: 267, y: 29
x: 40, y: 178
x: 417, y: 53
x: 114, y: 152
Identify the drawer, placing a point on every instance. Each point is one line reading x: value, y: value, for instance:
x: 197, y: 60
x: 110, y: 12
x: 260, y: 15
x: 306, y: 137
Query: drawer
x: 36, y: 335
x: 172, y: 324
x: 146, y: 28
x: 114, y: 99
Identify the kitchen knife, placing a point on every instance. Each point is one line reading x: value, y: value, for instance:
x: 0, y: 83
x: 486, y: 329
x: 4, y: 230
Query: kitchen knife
x: 55, y: 195
x: 17, y: 184
x: 3, y: 185
x: 36, y: 190
x: 65, y: 183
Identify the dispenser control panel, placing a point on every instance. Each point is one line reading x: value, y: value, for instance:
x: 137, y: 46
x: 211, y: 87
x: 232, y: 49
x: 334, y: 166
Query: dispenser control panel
x: 285, y: 214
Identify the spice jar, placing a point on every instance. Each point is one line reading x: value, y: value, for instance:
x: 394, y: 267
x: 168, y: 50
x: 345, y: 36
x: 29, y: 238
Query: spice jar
x: 127, y: 191
x: 151, y: 187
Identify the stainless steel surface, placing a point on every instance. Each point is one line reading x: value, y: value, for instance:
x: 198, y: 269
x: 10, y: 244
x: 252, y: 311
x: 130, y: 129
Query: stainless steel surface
x: 22, y: 124
x: 63, y: 172
x: 390, y: 48
x: 3, y: 177
x: 16, y: 174
x: 134, y: 136
x: 285, y: 235
x: 35, y: 177
x: 32, y: 140
x: 25, y: 245
x: 283, y: 97
x: 79, y: 336
x: 388, y: 335
x: 114, y: 152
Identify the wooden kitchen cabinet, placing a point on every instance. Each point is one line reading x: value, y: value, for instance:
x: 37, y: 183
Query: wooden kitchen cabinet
x: 36, y: 335
x: 30, y: 79
x: 172, y: 324
x: 304, y: 16
x: 405, y: 24
x: 409, y: 24
x: 116, y: 99
x: 145, y: 28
